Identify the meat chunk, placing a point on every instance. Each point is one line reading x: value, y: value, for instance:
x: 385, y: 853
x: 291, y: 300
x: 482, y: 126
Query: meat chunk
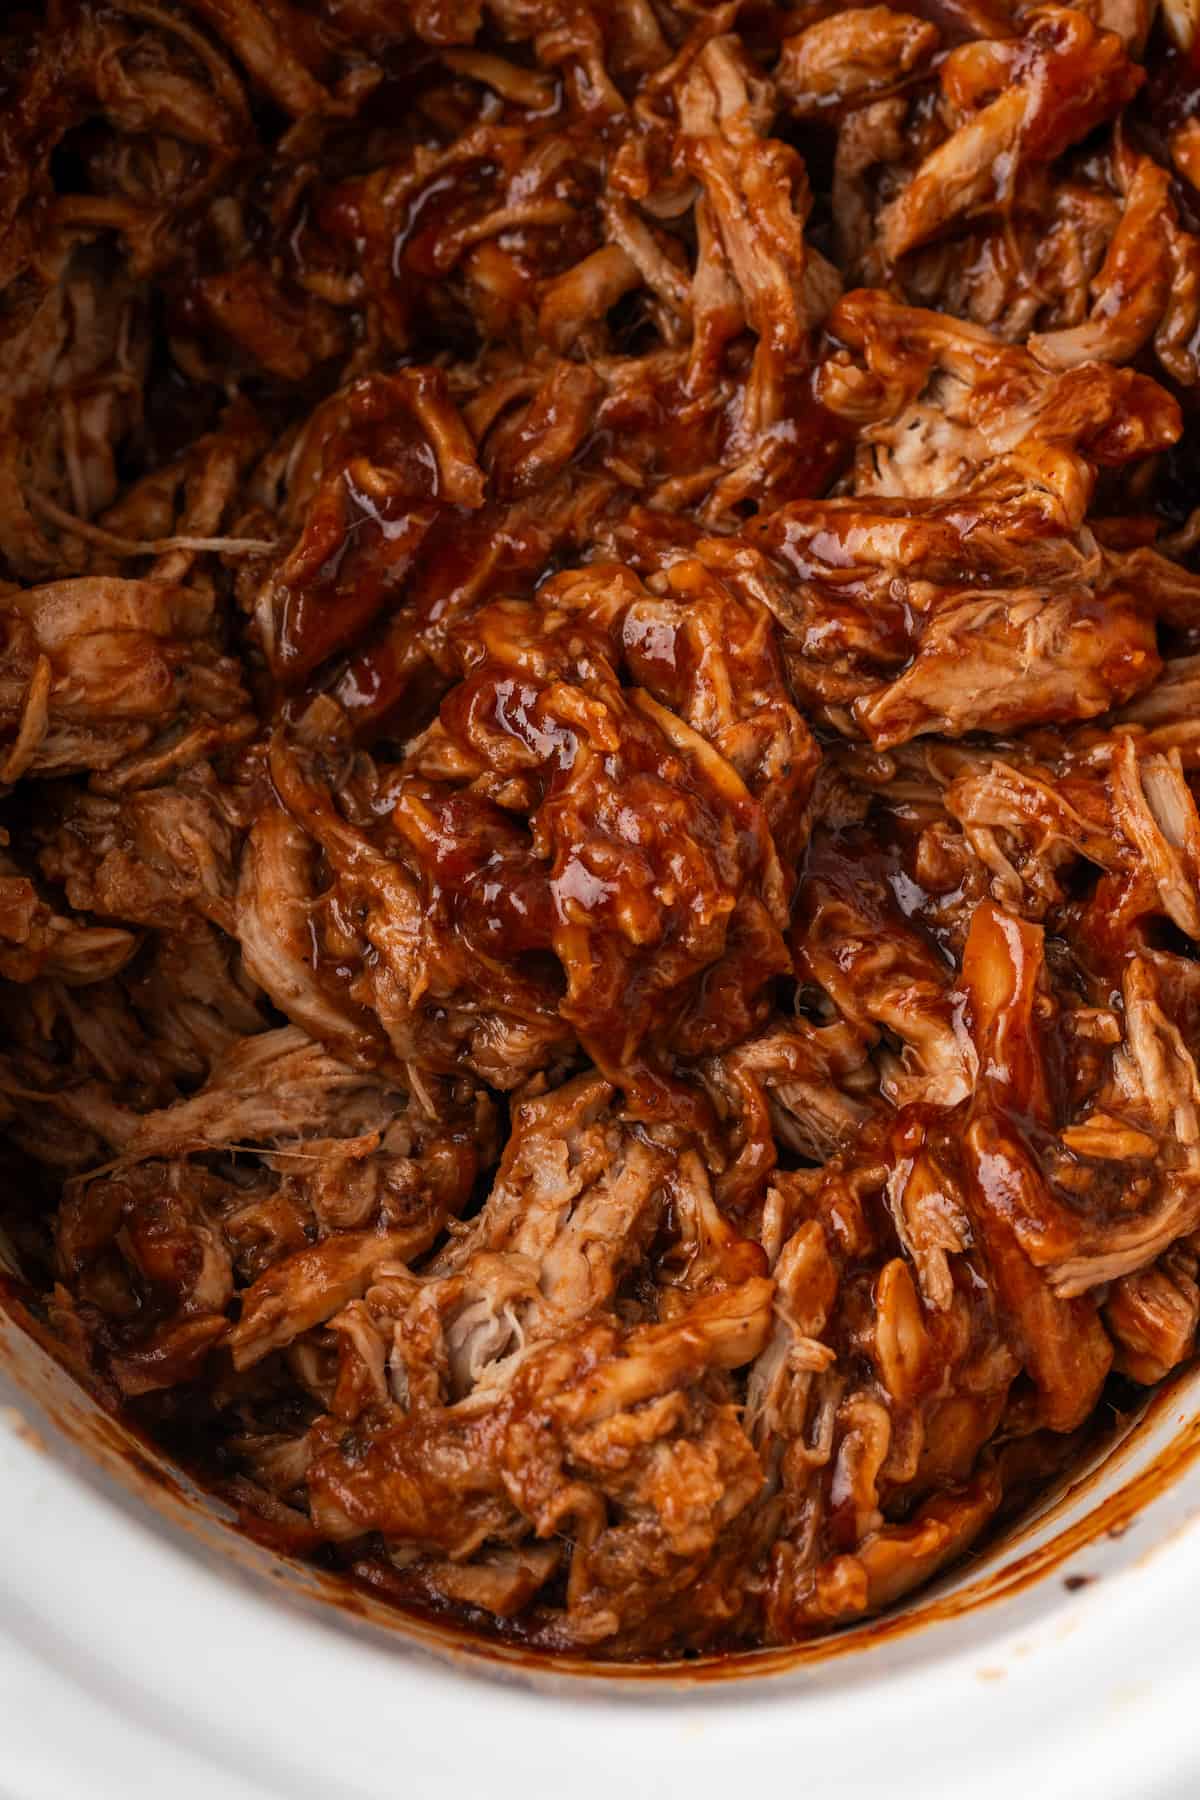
x: 626, y: 839
x: 160, y: 856
x: 852, y: 57
x: 278, y: 1084
x: 999, y: 665
x: 96, y: 668
x: 575, y: 1199
x: 309, y: 1286
x: 1152, y: 1316
x: 374, y: 468
x: 35, y: 940
x: 1131, y: 288
x: 597, y: 1425
x: 1062, y: 79
x: 879, y: 973
x: 949, y: 408
x: 1060, y: 1339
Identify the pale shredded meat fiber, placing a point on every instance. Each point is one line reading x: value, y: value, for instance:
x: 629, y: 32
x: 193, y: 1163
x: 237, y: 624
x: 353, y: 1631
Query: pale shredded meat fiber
x: 599, y: 750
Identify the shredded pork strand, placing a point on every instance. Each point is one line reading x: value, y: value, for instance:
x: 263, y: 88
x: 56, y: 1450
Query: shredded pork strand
x: 599, y: 740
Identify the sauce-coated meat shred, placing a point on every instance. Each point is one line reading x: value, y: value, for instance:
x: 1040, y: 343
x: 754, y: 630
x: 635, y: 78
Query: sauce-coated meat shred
x: 599, y: 752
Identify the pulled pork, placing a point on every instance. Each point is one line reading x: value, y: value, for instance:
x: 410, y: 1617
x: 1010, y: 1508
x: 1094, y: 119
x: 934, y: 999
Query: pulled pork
x: 599, y: 738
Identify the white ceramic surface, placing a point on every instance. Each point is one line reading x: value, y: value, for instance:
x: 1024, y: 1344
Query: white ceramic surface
x: 145, y: 1650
